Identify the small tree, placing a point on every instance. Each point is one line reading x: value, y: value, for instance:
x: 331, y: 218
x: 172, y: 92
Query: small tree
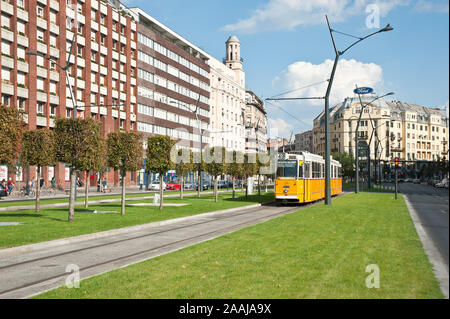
x: 184, y: 165
x: 38, y: 149
x: 215, y: 164
x: 76, y: 143
x: 159, y: 159
x: 95, y: 161
x: 125, y: 154
x: 11, y: 128
x: 234, y: 168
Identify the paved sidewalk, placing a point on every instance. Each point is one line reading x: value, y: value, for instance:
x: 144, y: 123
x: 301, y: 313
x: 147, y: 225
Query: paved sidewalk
x: 112, y: 200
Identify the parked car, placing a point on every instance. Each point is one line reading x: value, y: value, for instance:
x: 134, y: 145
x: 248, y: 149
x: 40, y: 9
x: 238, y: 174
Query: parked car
x: 173, y: 185
x: 224, y: 184
x: 446, y: 184
x: 190, y: 186
x: 441, y: 184
x: 154, y: 186
x: 416, y: 181
x: 409, y: 180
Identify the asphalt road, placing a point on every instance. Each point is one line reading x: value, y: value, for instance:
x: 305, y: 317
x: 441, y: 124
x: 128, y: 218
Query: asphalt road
x: 431, y: 205
x: 27, y: 274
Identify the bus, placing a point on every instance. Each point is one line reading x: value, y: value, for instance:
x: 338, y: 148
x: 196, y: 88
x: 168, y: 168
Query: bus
x: 300, y: 178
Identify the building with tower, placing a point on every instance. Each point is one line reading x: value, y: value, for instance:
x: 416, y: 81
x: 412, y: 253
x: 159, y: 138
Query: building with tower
x: 227, y: 99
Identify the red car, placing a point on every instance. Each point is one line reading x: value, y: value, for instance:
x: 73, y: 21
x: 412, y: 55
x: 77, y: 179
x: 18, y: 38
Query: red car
x: 173, y: 185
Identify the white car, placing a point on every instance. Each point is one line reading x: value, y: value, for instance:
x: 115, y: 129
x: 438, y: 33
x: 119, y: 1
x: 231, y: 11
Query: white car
x: 154, y: 186
x: 441, y: 184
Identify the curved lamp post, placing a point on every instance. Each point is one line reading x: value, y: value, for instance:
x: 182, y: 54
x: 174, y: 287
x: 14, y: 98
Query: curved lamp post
x: 327, y: 111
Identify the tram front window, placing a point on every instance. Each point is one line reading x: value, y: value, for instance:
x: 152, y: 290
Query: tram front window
x: 287, y: 169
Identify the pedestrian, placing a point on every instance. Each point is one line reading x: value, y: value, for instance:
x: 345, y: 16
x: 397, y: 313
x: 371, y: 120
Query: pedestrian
x: 41, y: 182
x: 105, y: 184
x: 3, y: 189
x: 98, y: 185
x: 53, y: 183
x: 10, y: 186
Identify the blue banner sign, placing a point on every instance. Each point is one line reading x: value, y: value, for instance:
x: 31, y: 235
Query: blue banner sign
x: 364, y: 90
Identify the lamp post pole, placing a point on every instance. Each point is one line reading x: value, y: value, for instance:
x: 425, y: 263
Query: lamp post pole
x: 327, y: 114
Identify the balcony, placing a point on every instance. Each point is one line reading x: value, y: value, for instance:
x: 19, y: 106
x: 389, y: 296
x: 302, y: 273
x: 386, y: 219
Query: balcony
x: 7, y: 7
x: 22, y: 40
x: 7, y: 34
x: 22, y: 14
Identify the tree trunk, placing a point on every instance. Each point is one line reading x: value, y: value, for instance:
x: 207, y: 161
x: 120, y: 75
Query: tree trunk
x: 38, y: 189
x: 72, y: 194
x: 259, y: 185
x: 246, y: 187
x: 234, y: 188
x: 182, y: 187
x: 199, y: 182
x: 86, y: 191
x: 216, y: 193
x: 161, y: 192
x: 123, y: 174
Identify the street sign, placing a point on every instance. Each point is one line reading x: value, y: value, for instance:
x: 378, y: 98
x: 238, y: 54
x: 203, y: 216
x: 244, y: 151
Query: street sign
x: 363, y: 90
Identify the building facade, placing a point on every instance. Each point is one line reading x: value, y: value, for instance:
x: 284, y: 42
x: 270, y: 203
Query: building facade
x: 255, y: 124
x: 228, y: 98
x: 390, y: 129
x: 173, y: 85
x: 304, y: 142
x: 102, y: 72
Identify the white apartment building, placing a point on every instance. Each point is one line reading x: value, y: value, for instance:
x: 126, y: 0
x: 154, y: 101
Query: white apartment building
x: 255, y: 124
x: 227, y: 99
x: 391, y: 129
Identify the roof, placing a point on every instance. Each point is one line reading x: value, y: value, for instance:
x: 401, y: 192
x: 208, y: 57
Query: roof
x: 233, y: 38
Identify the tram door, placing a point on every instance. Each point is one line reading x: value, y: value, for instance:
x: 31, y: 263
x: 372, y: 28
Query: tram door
x: 306, y: 180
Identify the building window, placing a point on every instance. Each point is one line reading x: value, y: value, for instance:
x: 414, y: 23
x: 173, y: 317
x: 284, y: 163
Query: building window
x: 40, y: 11
x: 40, y: 108
x: 6, y: 99
x: 21, y: 103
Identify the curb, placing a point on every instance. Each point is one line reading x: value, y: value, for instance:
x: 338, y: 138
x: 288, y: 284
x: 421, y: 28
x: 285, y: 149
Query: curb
x: 15, y: 251
x: 434, y: 257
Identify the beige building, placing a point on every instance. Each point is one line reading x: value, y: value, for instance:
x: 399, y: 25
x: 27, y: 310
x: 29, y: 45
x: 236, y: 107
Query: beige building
x: 255, y: 124
x: 227, y: 100
x: 304, y: 141
x: 392, y: 129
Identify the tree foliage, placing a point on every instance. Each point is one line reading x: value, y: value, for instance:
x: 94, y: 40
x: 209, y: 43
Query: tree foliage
x: 77, y: 142
x: 347, y: 161
x: 184, y: 165
x: 38, y: 148
x: 159, y: 159
x: 11, y: 128
x: 125, y: 154
x: 125, y: 151
x: 215, y: 164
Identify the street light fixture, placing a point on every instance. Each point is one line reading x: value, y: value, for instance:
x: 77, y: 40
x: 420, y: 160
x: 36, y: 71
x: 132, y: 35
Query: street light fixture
x: 327, y: 111
x: 356, y: 137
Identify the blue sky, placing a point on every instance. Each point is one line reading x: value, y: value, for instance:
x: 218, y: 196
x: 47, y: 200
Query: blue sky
x: 285, y: 45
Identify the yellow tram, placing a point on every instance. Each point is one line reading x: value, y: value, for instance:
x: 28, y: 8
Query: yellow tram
x: 300, y: 178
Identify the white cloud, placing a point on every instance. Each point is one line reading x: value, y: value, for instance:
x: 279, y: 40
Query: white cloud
x: 288, y: 14
x: 432, y: 6
x: 348, y: 74
x: 279, y: 128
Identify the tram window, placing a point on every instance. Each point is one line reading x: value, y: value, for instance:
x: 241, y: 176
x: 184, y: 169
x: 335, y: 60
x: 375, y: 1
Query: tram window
x: 300, y: 171
x: 322, y: 167
x: 340, y: 171
x: 287, y: 169
x: 307, y: 169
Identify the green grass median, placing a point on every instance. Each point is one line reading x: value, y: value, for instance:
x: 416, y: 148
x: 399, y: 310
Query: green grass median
x: 316, y: 252
x: 52, y: 223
